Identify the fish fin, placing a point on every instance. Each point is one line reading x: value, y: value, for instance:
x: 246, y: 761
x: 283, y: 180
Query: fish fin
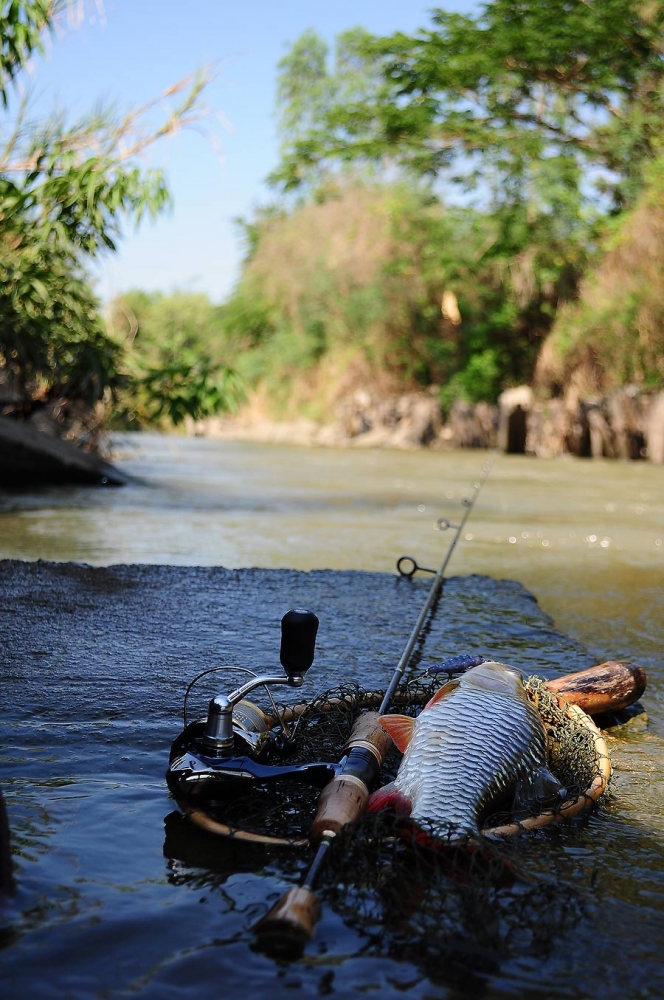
x: 389, y: 797
x: 400, y: 728
x: 539, y: 789
x: 441, y: 693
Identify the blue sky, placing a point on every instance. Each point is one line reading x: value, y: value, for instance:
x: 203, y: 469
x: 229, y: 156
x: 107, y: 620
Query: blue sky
x: 136, y: 49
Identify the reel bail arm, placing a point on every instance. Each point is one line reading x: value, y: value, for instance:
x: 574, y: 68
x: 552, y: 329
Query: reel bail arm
x: 298, y: 641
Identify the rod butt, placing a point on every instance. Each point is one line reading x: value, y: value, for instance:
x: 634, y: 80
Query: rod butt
x: 285, y: 929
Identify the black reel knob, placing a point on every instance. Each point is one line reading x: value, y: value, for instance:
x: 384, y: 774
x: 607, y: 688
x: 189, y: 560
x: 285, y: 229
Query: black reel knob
x: 298, y: 641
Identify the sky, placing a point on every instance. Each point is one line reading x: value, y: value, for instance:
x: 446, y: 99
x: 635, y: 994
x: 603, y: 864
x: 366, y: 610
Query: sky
x: 128, y: 51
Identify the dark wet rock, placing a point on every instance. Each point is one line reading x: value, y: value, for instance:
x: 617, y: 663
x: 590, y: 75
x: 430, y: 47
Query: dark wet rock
x: 473, y: 425
x: 127, y: 639
x: 29, y: 456
x: 6, y: 873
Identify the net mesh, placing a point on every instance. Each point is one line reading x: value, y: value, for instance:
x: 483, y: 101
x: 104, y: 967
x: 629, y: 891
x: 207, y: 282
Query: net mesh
x: 404, y: 891
x: 443, y: 909
x: 285, y: 809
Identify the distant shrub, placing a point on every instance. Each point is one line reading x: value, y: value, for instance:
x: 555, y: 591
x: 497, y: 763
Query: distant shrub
x: 173, y: 349
x: 360, y: 275
x: 615, y: 333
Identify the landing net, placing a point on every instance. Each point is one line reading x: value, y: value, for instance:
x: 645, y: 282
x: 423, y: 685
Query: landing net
x: 408, y: 896
x: 286, y: 809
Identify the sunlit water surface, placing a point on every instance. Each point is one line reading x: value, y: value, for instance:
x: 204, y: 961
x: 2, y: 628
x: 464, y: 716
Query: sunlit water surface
x: 586, y: 538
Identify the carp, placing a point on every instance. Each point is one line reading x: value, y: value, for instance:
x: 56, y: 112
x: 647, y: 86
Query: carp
x: 477, y: 742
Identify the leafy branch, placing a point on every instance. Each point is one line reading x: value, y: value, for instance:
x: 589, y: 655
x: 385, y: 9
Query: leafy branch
x: 65, y: 189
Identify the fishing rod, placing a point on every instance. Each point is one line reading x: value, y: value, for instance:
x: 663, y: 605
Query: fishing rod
x: 221, y: 763
x: 289, y: 924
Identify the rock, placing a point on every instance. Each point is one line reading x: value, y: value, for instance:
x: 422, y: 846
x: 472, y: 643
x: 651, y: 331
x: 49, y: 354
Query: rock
x: 655, y: 430
x: 547, y: 429
x: 577, y: 439
x: 408, y: 421
x: 474, y: 425
x: 28, y: 457
x: 625, y: 412
x: 614, y: 426
x: 6, y: 873
x: 420, y: 421
x: 513, y: 406
x: 602, y: 440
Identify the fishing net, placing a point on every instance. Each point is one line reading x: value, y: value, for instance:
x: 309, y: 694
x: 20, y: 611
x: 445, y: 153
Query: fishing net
x: 285, y: 809
x: 444, y: 910
x: 412, y: 893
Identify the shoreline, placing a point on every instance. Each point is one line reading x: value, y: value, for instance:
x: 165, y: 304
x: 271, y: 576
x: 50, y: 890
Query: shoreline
x: 627, y: 424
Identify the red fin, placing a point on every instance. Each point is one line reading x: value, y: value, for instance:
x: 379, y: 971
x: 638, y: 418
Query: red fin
x: 441, y: 693
x: 400, y: 728
x: 388, y: 796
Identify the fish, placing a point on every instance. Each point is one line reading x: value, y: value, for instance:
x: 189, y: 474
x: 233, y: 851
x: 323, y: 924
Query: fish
x: 478, y: 741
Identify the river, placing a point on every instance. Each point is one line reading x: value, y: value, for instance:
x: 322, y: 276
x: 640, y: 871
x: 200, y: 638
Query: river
x: 586, y: 538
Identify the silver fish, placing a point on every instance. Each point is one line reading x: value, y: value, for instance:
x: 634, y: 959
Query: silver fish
x: 471, y: 745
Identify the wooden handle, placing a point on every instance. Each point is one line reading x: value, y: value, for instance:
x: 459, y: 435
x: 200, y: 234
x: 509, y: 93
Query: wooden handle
x: 608, y: 687
x: 286, y: 928
x: 342, y: 801
x: 368, y: 730
x: 344, y: 798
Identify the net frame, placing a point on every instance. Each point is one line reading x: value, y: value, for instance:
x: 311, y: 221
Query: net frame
x: 577, y: 751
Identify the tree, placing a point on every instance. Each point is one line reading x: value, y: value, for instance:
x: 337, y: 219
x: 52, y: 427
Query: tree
x: 545, y: 112
x: 172, y: 359
x: 569, y: 81
x: 310, y: 88
x: 64, y: 192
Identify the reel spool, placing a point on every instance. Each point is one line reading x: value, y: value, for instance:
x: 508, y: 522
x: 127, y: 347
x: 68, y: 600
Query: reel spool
x: 251, y: 724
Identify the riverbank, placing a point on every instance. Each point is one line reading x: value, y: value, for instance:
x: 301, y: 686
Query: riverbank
x: 627, y: 424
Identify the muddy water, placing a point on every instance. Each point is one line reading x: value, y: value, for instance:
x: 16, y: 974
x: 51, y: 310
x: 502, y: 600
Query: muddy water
x: 115, y: 896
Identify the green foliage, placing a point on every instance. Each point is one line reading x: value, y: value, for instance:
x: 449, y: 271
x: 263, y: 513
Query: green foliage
x: 569, y: 81
x: 64, y: 191
x: 52, y: 341
x: 354, y: 284
x: 172, y: 359
x: 21, y: 27
x: 479, y: 380
x: 548, y: 111
x: 614, y: 334
x: 182, y: 384
x: 309, y: 92
x: 149, y: 322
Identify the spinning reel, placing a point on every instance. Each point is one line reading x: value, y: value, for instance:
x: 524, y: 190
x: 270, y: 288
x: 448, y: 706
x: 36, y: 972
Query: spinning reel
x: 228, y: 751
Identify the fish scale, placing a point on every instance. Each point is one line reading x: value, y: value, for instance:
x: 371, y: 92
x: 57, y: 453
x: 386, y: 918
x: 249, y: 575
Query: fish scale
x: 467, y: 749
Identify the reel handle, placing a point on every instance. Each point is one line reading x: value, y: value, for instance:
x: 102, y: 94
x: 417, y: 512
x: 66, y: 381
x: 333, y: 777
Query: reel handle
x: 298, y: 641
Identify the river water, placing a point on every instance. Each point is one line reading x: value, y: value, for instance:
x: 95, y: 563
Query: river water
x: 585, y: 538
